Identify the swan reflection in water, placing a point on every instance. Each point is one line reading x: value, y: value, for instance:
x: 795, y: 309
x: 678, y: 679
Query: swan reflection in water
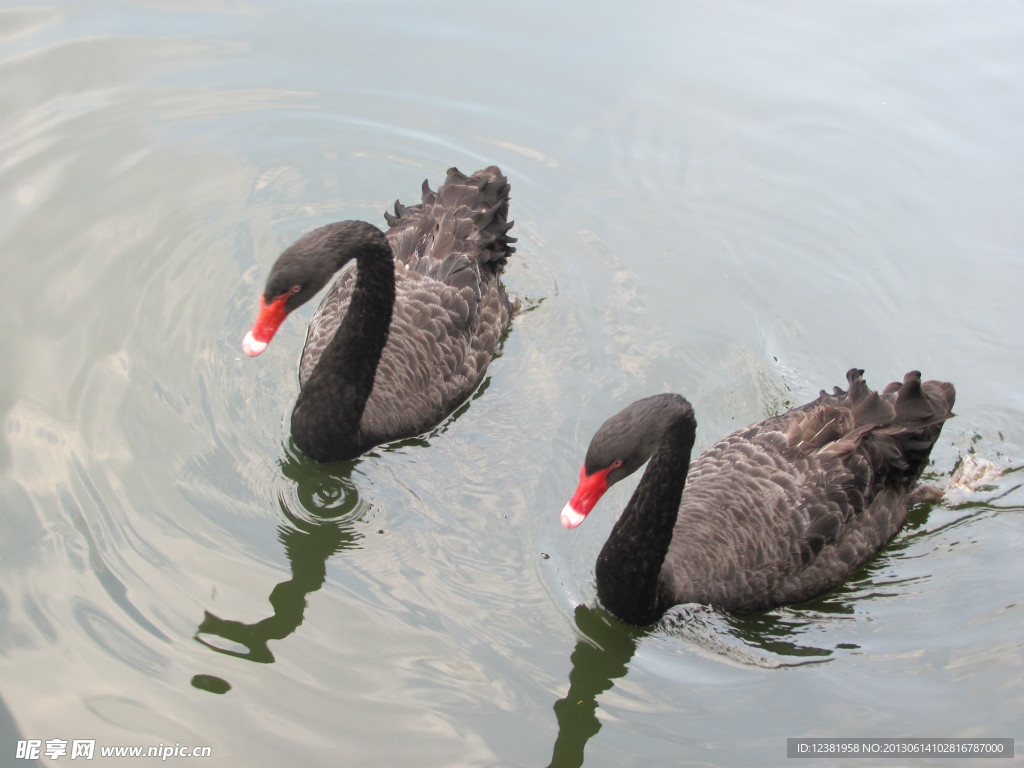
x: 332, y: 508
x: 606, y: 647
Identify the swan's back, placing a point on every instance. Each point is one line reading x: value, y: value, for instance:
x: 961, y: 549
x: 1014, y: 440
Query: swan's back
x: 450, y: 309
x: 789, y: 508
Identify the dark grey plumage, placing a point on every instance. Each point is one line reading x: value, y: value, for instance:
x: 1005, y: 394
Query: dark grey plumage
x: 430, y: 346
x: 776, y: 513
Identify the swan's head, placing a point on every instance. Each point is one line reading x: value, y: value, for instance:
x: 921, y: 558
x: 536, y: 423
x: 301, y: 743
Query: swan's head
x: 620, y: 447
x: 299, y: 273
x: 293, y: 281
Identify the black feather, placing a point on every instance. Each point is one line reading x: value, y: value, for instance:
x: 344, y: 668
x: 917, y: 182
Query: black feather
x: 776, y: 513
x: 398, y: 343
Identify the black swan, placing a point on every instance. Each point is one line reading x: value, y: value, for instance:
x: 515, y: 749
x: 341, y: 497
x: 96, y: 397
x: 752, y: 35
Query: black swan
x: 403, y: 339
x: 776, y: 513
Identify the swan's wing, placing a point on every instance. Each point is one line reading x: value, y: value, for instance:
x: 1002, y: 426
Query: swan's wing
x: 788, y: 508
x: 325, y: 321
x: 441, y: 342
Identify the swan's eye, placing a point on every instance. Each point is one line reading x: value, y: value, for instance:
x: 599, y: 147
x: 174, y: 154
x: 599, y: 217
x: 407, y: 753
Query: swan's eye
x: 295, y: 289
x: 616, y: 464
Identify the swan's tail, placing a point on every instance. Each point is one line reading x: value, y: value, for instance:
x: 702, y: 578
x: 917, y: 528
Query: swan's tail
x: 921, y: 410
x: 903, y: 420
x: 482, y: 199
x: 466, y: 218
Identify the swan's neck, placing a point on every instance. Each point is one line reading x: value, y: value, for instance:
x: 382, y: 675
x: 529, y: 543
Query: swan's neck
x: 629, y: 567
x: 327, y: 414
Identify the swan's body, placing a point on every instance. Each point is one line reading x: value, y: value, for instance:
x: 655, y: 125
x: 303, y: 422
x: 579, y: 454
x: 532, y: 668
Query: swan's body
x: 778, y: 512
x: 400, y: 341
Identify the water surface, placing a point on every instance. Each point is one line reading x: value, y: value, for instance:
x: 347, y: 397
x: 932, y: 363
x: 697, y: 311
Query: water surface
x: 732, y: 201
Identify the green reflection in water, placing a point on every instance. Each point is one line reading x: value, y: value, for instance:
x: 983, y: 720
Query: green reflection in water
x: 601, y: 656
x: 324, y: 524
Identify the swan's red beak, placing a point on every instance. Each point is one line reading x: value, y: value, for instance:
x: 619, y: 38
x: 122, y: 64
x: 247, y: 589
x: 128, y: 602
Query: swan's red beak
x: 267, y: 322
x: 590, y: 489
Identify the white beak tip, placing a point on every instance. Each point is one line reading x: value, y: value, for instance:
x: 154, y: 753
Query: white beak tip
x: 570, y: 517
x: 251, y: 346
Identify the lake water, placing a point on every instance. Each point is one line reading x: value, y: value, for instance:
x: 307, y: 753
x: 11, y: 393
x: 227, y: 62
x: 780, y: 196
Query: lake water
x: 737, y: 201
